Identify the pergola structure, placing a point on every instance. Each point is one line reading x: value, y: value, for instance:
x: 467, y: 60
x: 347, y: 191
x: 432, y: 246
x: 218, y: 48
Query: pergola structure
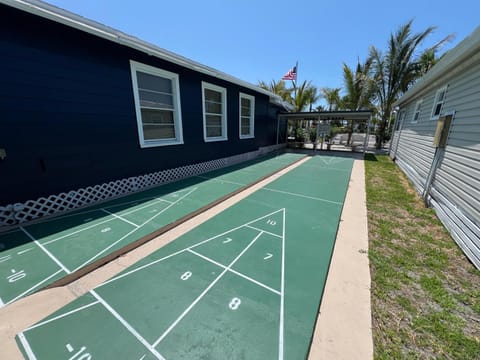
x: 322, y: 118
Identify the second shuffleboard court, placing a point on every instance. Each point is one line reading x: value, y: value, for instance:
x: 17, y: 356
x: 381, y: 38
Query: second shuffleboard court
x: 246, y: 284
x: 36, y: 255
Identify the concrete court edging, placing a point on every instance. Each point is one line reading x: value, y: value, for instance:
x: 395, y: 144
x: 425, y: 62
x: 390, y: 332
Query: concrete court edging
x: 344, y: 325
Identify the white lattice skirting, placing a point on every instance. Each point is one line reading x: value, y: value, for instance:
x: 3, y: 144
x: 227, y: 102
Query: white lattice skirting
x: 33, y: 209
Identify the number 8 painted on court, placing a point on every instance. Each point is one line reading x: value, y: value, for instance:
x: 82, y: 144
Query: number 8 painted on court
x: 186, y: 275
x: 235, y: 303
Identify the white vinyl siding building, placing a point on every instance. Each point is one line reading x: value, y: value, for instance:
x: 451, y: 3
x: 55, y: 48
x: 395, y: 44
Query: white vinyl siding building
x: 447, y: 177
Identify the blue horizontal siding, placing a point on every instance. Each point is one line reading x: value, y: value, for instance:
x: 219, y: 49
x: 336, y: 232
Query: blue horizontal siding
x: 68, y: 116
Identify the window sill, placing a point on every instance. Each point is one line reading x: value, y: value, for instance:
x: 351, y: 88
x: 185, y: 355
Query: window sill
x: 160, y: 143
x: 215, y: 139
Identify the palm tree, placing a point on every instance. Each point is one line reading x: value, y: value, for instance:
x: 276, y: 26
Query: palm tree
x: 394, y: 71
x: 305, y: 96
x: 359, y: 87
x: 428, y: 58
x: 279, y: 88
x: 313, y: 96
x: 359, y: 90
x: 332, y: 97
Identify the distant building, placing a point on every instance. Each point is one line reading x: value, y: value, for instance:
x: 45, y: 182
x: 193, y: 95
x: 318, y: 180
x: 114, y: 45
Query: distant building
x: 436, y: 141
x: 88, y: 113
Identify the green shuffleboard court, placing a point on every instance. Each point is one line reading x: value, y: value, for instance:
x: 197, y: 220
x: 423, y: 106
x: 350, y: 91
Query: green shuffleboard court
x: 245, y: 284
x: 36, y: 255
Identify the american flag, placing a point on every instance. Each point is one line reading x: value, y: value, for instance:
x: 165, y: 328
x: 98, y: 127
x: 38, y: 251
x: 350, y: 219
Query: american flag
x: 291, y: 74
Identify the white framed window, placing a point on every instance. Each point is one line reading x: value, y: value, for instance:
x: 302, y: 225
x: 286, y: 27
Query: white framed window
x: 399, y: 120
x: 438, y: 103
x: 214, y: 112
x: 416, y: 112
x: 157, y: 105
x: 247, y: 116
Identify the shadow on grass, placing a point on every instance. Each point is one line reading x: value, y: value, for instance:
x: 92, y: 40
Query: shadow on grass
x: 370, y: 157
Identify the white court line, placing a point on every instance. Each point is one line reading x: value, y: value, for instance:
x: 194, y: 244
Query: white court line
x: 107, y: 220
x: 265, y: 231
x: 220, y: 180
x: 46, y: 251
x: 167, y: 201
x: 5, y: 258
x: 101, y: 222
x: 120, y: 218
x: 129, y: 327
x: 324, y: 167
x: 146, y: 206
x: 131, y: 232
x: 282, y: 291
x: 78, y: 231
x: 303, y: 196
x: 2, y: 304
x: 24, y: 251
x: 35, y: 286
x: 75, y: 213
x: 134, y: 201
x: 187, y: 248
x: 61, y: 316
x: 141, y: 267
x: 26, y: 346
x: 325, y: 160
x: 235, y: 272
x: 187, y: 310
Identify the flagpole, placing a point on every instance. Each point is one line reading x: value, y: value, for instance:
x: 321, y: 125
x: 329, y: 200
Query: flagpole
x: 295, y: 81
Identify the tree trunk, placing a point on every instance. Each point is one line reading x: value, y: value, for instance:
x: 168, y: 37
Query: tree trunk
x: 350, y: 132
x: 381, y: 132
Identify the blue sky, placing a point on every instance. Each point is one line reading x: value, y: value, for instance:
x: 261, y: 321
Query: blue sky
x: 262, y: 39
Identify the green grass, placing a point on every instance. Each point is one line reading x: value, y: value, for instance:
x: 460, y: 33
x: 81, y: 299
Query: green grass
x: 425, y: 292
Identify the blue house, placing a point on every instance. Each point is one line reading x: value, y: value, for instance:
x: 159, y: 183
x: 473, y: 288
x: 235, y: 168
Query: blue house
x: 89, y: 113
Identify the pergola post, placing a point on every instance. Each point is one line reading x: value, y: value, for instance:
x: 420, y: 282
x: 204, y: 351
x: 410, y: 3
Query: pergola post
x: 367, y: 136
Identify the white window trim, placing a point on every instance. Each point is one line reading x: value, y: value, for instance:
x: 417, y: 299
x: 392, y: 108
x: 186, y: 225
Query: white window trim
x: 223, y: 91
x: 399, y: 121
x: 252, y: 116
x: 435, y: 102
x: 417, y: 109
x: 177, y: 112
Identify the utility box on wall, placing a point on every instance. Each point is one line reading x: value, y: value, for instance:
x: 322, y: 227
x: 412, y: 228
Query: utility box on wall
x: 441, y: 134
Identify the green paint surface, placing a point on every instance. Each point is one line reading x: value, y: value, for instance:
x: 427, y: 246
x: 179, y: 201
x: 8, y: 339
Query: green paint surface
x: 216, y: 292
x: 151, y: 300
x: 235, y: 320
x: 103, y: 339
x: 81, y: 237
x: 19, y: 269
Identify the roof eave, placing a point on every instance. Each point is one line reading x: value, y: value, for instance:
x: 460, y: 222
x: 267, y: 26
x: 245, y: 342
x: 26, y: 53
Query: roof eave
x: 70, y: 19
